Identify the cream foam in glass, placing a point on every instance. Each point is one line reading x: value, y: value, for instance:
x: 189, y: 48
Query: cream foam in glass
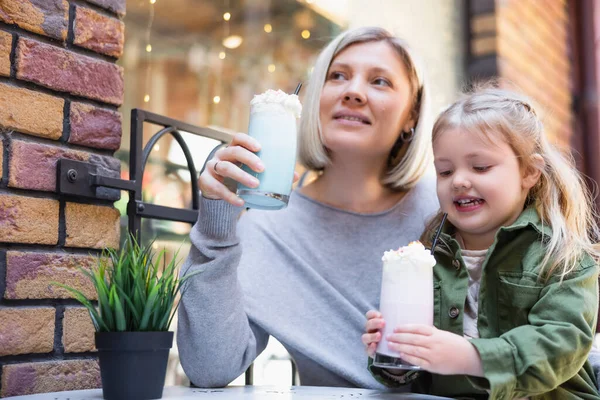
x: 273, y: 116
x: 406, y: 297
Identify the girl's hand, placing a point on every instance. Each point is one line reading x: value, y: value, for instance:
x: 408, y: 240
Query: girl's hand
x: 373, y: 328
x: 435, y: 350
x: 226, y: 164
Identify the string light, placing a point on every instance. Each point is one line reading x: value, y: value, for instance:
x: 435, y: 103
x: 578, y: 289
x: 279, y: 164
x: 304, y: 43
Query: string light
x: 305, y: 34
x: 152, y: 1
x: 268, y: 28
x: 156, y: 147
x: 271, y: 67
x: 227, y: 16
x: 146, y: 98
x: 222, y: 55
x: 217, y: 99
x: 148, y: 48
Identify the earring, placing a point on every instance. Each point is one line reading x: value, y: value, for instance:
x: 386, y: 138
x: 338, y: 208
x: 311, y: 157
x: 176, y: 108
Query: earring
x: 408, y: 136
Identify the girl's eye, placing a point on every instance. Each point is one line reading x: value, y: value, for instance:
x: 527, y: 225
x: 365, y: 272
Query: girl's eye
x: 482, y: 169
x: 382, y: 82
x: 444, y: 173
x: 335, y: 75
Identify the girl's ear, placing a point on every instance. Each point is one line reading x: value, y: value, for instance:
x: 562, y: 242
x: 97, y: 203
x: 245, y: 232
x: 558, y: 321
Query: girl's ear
x: 532, y: 174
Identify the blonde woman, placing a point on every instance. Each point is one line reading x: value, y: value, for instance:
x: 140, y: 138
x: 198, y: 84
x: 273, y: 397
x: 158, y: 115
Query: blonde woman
x: 307, y: 274
x: 517, y: 268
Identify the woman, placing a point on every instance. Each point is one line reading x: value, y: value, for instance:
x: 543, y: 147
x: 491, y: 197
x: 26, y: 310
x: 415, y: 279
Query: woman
x: 307, y: 274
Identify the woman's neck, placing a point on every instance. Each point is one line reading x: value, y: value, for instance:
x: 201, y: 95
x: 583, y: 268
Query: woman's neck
x: 353, y: 187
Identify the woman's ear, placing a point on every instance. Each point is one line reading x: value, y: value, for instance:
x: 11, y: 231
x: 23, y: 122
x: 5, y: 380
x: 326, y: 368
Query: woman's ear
x: 532, y: 173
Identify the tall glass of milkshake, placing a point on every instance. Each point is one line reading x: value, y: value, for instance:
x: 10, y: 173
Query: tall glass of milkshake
x: 406, y: 297
x: 273, y: 116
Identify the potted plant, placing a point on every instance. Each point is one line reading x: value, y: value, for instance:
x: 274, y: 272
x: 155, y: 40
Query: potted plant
x: 137, y: 299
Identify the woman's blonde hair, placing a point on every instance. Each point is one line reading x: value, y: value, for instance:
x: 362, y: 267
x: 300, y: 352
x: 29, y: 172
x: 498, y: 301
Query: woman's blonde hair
x: 560, y: 197
x: 402, y: 174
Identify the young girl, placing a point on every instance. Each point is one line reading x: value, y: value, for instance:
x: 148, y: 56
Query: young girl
x: 516, y: 280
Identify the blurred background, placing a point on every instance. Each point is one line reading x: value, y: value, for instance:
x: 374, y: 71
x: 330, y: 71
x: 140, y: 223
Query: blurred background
x: 201, y: 61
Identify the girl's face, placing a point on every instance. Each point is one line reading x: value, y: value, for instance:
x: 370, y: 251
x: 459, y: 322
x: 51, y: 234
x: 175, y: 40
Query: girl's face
x: 479, y: 184
x: 366, y: 101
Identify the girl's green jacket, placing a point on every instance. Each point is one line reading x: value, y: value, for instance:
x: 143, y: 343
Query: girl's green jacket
x: 535, y: 335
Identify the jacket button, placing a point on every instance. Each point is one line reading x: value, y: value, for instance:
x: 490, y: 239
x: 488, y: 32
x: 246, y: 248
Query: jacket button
x: 456, y: 264
x: 453, y: 312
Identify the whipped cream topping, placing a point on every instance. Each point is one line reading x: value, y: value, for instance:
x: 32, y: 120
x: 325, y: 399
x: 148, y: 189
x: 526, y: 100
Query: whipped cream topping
x: 415, y: 254
x: 276, y: 99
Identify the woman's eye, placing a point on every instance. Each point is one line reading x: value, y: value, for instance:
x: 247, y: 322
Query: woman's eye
x: 335, y: 75
x: 382, y: 82
x: 482, y: 169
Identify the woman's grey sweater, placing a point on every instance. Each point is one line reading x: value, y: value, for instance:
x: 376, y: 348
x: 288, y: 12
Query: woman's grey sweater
x: 306, y: 275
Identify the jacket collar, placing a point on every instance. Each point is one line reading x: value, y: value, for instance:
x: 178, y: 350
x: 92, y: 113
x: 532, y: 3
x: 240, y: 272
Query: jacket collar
x: 529, y: 218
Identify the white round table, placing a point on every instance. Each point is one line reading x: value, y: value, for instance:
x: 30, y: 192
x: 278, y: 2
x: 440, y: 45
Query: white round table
x: 244, y: 393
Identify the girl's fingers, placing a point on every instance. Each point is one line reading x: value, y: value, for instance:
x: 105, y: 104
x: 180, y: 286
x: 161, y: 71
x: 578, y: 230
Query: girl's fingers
x: 409, y: 350
x: 369, y: 338
x: 415, y: 361
x: 373, y: 314
x: 371, y: 349
x: 374, y: 325
x: 409, y: 338
x: 426, y: 330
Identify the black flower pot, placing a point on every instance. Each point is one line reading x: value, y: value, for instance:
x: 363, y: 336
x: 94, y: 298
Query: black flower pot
x: 133, y: 364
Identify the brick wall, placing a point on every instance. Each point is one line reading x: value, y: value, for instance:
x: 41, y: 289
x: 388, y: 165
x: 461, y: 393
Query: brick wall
x: 533, y: 54
x: 525, y: 42
x: 59, y: 93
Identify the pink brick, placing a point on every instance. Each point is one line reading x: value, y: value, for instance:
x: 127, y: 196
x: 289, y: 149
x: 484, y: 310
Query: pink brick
x: 55, y: 376
x: 29, y: 275
x: 65, y: 71
x: 95, y: 127
x: 98, y: 32
x: 33, y: 166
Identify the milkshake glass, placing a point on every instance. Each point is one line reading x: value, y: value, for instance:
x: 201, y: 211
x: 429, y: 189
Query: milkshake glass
x: 406, y: 297
x: 273, y: 117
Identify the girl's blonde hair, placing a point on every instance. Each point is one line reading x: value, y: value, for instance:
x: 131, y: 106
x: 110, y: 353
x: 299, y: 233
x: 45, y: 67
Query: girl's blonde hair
x: 402, y: 174
x: 560, y: 197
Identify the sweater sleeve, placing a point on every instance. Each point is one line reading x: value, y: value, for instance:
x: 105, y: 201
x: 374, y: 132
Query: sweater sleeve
x: 216, y: 340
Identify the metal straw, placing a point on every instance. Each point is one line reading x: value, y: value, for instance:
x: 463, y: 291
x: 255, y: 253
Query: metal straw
x: 298, y: 89
x: 437, y: 234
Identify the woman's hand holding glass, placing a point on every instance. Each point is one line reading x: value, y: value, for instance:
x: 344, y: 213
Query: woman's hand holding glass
x: 226, y: 164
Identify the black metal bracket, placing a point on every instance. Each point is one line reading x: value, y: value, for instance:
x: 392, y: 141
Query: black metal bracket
x: 76, y: 178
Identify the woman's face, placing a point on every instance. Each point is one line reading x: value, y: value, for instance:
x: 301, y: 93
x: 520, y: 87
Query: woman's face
x: 366, y: 101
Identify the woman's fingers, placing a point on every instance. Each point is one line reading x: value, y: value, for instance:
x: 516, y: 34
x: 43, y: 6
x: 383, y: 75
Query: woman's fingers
x: 240, y: 155
x: 244, y: 140
x: 227, y: 169
x: 213, y: 188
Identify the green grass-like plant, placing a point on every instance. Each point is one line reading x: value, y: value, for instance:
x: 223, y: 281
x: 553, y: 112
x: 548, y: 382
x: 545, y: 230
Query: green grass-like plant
x: 134, y: 292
